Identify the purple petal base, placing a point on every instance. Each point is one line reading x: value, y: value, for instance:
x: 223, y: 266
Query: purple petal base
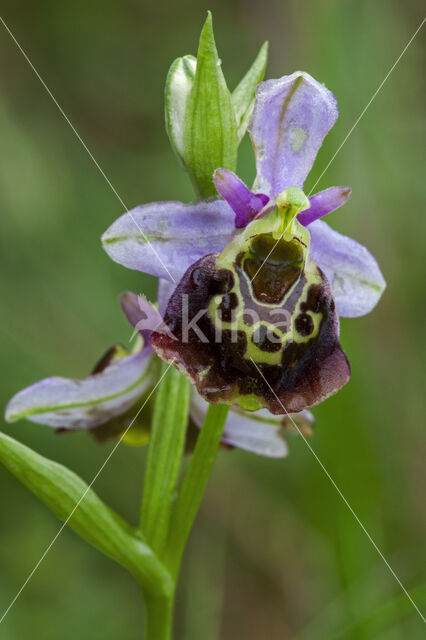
x: 324, y: 202
x: 244, y: 202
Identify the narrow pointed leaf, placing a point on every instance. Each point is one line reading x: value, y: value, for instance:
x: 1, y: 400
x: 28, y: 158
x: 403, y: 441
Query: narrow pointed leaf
x: 210, y: 139
x: 244, y: 94
x: 165, y: 453
x: 194, y: 484
x: 74, y: 502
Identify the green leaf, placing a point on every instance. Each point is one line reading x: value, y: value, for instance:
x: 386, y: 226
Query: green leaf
x: 74, y: 502
x: 375, y: 613
x: 210, y: 139
x: 168, y: 431
x: 244, y: 94
x: 179, y: 83
x: 194, y: 484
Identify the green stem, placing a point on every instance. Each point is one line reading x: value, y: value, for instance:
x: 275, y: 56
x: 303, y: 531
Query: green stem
x: 194, y: 485
x: 165, y: 453
x: 166, y: 528
x: 158, y: 618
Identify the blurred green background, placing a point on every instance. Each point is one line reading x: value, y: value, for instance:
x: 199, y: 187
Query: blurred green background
x: 275, y: 552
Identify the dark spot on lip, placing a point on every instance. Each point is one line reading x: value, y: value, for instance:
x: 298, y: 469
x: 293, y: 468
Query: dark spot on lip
x: 248, y: 318
x: 304, y: 324
x: 291, y: 354
x: 313, y: 300
x: 262, y: 339
x: 196, y: 277
x: 232, y: 349
x: 222, y: 282
x: 228, y: 304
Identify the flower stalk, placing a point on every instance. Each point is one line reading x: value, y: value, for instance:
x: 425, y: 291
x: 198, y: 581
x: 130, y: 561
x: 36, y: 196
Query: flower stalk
x: 168, y: 430
x: 158, y: 618
x: 194, y: 485
x: 170, y: 541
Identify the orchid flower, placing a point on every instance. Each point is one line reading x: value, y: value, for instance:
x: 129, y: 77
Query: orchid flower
x: 236, y: 247
x: 331, y: 275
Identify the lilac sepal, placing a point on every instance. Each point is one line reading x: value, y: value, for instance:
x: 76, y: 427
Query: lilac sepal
x: 291, y: 117
x: 165, y: 238
x: 354, y: 275
x: 140, y: 313
x: 83, y: 404
x: 324, y: 202
x: 244, y: 202
x: 259, y: 432
x: 251, y: 434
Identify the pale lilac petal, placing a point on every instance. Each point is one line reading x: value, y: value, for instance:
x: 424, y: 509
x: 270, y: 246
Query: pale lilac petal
x: 354, y: 275
x: 291, y: 117
x: 324, y: 202
x: 143, y: 317
x: 140, y: 313
x: 83, y: 404
x: 165, y: 238
x: 244, y: 202
x: 259, y: 432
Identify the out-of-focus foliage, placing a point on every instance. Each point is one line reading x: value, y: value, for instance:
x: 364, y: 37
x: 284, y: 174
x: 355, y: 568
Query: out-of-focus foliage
x: 275, y: 552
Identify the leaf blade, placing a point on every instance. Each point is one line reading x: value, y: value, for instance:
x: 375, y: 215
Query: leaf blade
x: 243, y: 95
x: 194, y: 484
x: 168, y: 431
x: 77, y: 505
x: 210, y: 139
